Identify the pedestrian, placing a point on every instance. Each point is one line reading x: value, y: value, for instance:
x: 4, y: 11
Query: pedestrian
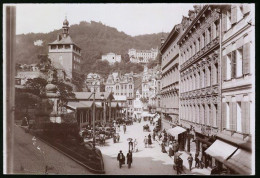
x: 129, y: 158
x: 130, y: 145
x: 171, y: 153
x: 160, y: 136
x: 153, y: 135
x: 149, y: 140
x: 124, y: 127
x: 175, y: 147
x: 190, y: 160
x: 114, y: 138
x: 118, y: 127
x: 145, y: 142
x: 178, y: 165
x: 121, y: 158
x: 197, y: 161
x: 163, y: 148
x: 118, y: 137
x: 135, y: 145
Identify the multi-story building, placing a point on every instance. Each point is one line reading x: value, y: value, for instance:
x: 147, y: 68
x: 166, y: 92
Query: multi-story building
x: 238, y: 84
x: 216, y: 85
x: 170, y: 77
x: 200, y: 79
x: 65, y: 54
x: 111, y: 58
x: 122, y: 85
x: 142, y: 56
x: 94, y: 81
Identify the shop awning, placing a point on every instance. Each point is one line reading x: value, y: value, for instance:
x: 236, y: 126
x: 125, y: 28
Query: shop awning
x: 221, y: 150
x: 176, y: 131
x: 240, y: 162
x: 78, y: 105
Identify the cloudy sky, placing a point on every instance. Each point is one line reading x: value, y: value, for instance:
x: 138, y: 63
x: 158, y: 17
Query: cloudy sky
x: 133, y: 19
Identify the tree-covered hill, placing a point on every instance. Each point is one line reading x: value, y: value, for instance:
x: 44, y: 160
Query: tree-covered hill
x: 94, y: 39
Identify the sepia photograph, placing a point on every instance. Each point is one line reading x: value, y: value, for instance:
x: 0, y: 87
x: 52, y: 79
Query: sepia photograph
x: 129, y: 89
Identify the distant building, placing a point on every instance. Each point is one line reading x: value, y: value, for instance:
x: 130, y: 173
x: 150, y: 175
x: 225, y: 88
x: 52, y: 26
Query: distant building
x: 120, y: 84
x: 22, y: 76
x: 137, y: 104
x: 65, y: 54
x: 142, y: 56
x: 111, y: 58
x: 92, y: 81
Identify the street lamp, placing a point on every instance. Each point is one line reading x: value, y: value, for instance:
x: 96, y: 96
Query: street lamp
x: 104, y: 102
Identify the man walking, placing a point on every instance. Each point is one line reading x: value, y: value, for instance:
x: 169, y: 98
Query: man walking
x: 130, y: 145
x: 124, y: 127
x: 129, y: 158
x: 197, y: 161
x: 190, y: 160
x: 121, y: 158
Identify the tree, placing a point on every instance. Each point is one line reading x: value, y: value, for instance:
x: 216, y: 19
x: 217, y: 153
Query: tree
x: 36, y: 86
x: 65, y: 91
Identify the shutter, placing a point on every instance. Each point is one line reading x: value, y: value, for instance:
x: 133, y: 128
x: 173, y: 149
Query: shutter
x: 234, y: 111
x: 246, y: 9
x: 233, y: 64
x: 224, y: 68
x: 247, y: 116
x: 224, y: 22
x: 224, y: 114
x: 230, y: 115
x: 243, y: 114
x: 246, y: 58
x: 233, y: 14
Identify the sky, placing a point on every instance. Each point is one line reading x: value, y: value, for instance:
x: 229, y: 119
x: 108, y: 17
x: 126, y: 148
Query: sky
x: 133, y: 19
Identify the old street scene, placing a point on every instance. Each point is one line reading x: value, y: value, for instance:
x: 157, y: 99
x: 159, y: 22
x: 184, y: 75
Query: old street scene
x: 147, y: 89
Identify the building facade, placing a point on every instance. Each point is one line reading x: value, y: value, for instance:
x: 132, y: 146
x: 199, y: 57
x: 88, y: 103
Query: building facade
x: 111, y: 58
x: 142, y: 56
x: 237, y: 91
x: 200, y: 79
x: 65, y: 54
x: 170, y: 77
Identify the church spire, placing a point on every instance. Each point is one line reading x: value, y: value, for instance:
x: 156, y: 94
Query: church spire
x: 65, y: 27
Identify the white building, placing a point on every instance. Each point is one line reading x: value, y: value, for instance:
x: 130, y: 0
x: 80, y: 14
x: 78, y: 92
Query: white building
x: 142, y: 56
x: 111, y: 58
x: 138, y: 105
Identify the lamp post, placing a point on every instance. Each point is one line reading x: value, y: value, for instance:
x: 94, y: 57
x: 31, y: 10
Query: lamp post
x: 94, y: 105
x: 104, y: 115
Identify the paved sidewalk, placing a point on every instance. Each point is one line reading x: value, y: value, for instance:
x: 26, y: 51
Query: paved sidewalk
x: 184, y: 157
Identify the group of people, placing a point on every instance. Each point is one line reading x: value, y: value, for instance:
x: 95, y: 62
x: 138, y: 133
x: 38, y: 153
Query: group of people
x: 147, y: 141
x: 133, y: 145
x: 121, y: 158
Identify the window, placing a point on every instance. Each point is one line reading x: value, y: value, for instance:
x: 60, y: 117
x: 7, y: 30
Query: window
x: 239, y: 56
x: 204, y: 39
x: 122, y: 87
x: 228, y: 72
x: 209, y: 34
x: 203, y: 78
x: 209, y: 76
x: 233, y: 64
x: 227, y: 115
x: 239, y: 117
x: 67, y: 46
x: 53, y: 46
x: 125, y: 86
x: 198, y: 45
x: 60, y: 46
x: 228, y: 19
x: 217, y: 28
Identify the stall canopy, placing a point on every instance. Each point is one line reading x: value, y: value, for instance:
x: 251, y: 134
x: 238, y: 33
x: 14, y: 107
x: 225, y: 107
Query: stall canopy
x: 240, y: 162
x: 176, y: 131
x: 146, y: 114
x: 221, y: 150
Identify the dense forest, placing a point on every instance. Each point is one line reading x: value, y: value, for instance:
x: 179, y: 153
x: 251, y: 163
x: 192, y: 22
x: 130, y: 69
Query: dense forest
x: 95, y: 39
